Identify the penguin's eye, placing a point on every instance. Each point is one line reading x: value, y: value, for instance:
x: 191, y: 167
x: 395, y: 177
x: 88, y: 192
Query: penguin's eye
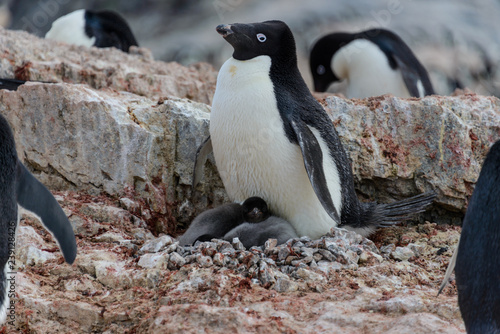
x: 261, y: 37
x: 321, y: 70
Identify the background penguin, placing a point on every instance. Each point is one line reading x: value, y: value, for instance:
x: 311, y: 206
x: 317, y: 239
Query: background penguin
x: 478, y: 252
x: 19, y: 187
x: 256, y: 234
x: 215, y: 223
x: 294, y: 160
x: 93, y: 28
x: 373, y: 62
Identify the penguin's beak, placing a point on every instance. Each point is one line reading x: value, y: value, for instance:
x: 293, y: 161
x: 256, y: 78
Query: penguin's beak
x: 224, y: 30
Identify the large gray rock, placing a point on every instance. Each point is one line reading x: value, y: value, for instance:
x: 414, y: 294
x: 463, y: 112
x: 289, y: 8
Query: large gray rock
x: 75, y: 138
x: 398, y: 146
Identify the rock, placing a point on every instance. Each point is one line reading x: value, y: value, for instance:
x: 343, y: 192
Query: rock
x: 30, y: 247
x: 47, y: 60
x: 402, y: 253
x: 155, y: 260
x: 402, y: 146
x: 155, y: 245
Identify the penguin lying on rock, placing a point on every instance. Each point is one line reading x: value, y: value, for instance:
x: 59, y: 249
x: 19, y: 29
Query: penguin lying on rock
x: 373, y: 62
x: 18, y: 187
x: 272, y: 139
x: 102, y: 29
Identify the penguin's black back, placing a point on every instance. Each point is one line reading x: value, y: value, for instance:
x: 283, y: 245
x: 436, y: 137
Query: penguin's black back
x: 478, y: 260
x: 109, y: 29
x: 295, y: 101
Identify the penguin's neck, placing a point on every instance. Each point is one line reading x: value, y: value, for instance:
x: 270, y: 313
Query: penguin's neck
x: 367, y: 71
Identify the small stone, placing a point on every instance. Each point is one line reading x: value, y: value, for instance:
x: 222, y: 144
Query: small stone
x: 283, y: 253
x: 175, y: 261
x: 266, y: 275
x: 327, y: 255
x: 317, y: 256
x: 291, y: 258
x: 310, y: 276
x: 155, y: 245
x: 237, y: 245
x: 153, y: 260
x: 307, y: 252
x: 402, y: 253
x: 388, y: 249
x: 204, y: 261
x: 129, y: 204
x: 218, y: 259
x: 416, y: 248
x: 285, y: 284
x: 270, y: 243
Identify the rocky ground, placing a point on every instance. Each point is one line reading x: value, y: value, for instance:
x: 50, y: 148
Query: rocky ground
x: 126, y: 280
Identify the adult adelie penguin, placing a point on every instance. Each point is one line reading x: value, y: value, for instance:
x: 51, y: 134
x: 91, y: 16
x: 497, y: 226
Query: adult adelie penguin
x: 272, y: 139
x: 477, y: 267
x: 93, y: 28
x: 19, y: 187
x: 373, y: 62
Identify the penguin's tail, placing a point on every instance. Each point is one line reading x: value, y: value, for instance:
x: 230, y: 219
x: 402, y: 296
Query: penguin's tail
x: 384, y: 215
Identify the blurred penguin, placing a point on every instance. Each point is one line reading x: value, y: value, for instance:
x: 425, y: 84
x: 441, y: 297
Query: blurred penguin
x: 93, y: 28
x: 372, y: 62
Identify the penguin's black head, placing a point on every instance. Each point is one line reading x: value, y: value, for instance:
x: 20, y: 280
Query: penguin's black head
x: 320, y: 61
x: 255, y: 210
x: 269, y: 38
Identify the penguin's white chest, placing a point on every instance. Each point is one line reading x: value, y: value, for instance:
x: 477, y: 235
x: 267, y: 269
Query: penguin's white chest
x: 367, y: 71
x: 71, y: 29
x: 253, y: 155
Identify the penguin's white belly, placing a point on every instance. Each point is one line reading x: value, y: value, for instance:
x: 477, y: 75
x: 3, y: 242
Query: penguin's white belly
x: 253, y: 155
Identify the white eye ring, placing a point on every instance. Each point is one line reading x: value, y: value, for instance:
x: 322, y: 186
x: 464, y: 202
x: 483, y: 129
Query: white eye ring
x: 261, y: 37
x: 321, y: 70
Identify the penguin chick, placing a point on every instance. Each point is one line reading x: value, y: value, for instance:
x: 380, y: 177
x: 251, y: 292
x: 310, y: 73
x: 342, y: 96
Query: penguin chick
x: 256, y: 234
x: 215, y: 223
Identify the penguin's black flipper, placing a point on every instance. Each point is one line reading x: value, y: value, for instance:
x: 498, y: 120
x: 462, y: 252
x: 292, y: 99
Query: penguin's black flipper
x: 313, y: 161
x: 201, y: 157
x: 410, y: 77
x: 11, y: 84
x: 34, y: 197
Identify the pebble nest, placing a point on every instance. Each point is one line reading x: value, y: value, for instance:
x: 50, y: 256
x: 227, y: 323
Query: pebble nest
x: 270, y: 264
